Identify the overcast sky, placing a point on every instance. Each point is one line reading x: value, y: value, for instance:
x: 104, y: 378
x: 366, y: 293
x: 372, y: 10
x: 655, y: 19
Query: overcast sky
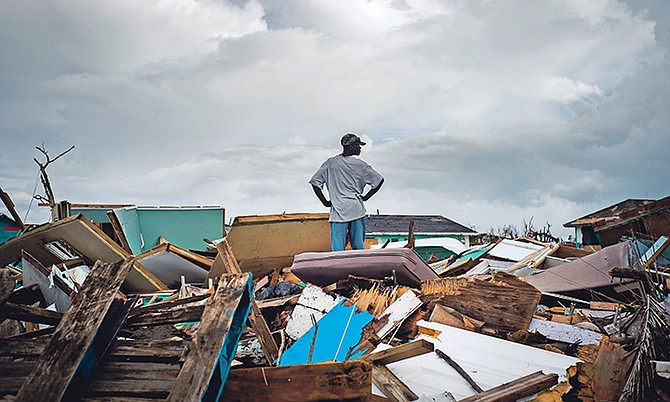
x: 487, y: 112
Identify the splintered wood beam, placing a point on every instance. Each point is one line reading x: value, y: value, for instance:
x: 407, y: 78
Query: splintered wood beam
x: 504, y: 303
x: 29, y: 313
x: 346, y: 381
x: 401, y: 352
x: 258, y: 323
x: 72, y: 352
x: 516, y: 389
x: 212, y: 349
x: 390, y: 385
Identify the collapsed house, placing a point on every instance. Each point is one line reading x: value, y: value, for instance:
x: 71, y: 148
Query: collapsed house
x: 91, y: 310
x: 640, y: 216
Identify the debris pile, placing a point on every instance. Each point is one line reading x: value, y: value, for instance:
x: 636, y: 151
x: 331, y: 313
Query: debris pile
x: 94, y: 308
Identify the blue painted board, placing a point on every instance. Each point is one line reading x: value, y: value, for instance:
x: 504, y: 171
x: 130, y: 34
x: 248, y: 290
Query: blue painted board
x: 338, y: 331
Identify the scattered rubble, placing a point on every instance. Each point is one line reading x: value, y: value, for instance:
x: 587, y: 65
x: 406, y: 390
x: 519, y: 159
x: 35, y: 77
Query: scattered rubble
x: 93, y: 310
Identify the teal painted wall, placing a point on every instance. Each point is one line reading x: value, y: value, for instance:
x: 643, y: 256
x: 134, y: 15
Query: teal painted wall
x: 184, y: 227
x: 130, y: 224
x: 97, y: 215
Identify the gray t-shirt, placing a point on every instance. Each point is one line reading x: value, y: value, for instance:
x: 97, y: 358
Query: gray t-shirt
x: 345, y: 178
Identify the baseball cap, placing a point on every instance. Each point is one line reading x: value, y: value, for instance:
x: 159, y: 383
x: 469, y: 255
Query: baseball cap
x: 350, y: 139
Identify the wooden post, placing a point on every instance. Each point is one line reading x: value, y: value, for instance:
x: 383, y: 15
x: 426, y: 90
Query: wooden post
x: 410, y: 235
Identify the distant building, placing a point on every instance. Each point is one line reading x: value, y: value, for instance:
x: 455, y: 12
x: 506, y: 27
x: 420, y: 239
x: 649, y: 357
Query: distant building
x: 396, y: 228
x: 637, y: 217
x: 8, y: 228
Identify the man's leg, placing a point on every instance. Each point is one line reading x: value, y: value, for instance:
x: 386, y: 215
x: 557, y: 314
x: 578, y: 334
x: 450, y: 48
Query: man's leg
x: 357, y: 234
x: 338, y: 235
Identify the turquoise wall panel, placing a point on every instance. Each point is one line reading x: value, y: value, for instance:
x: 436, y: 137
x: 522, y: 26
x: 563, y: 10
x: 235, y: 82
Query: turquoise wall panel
x: 130, y: 225
x: 97, y: 215
x: 183, y: 227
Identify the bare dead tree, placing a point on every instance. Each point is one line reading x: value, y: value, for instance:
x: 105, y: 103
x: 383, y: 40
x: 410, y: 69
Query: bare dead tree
x: 44, y: 177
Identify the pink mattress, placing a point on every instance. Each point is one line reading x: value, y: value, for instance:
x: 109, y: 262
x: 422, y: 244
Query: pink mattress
x: 326, y: 268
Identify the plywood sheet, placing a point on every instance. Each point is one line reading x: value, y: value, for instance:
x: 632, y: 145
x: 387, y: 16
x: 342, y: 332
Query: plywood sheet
x: 263, y: 243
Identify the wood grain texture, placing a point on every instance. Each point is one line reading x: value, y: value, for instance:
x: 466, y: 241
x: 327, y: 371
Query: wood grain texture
x: 74, y: 335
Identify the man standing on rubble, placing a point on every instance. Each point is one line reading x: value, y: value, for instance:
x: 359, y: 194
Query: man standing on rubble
x: 345, y: 177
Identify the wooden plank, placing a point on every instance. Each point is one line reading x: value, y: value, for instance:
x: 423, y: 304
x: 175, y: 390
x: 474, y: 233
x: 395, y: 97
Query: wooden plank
x: 608, y: 306
x: 346, y: 381
x: 517, y: 389
x: 118, y: 231
x: 213, y: 346
x: 70, y: 345
x: 401, y: 352
x: 22, y: 312
x: 256, y: 320
x: 167, y: 304
x: 27, y: 295
x: 133, y: 380
x: 150, y: 350
x: 167, y: 350
x: 172, y: 315
x: 265, y: 243
x: 656, y: 250
x: 390, y: 385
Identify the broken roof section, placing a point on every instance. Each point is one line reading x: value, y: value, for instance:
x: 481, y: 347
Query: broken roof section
x: 74, y: 237
x: 140, y: 228
x: 588, y: 272
x: 606, y: 226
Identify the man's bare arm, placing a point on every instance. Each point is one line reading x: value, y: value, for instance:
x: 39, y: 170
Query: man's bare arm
x: 372, y: 191
x: 321, y: 197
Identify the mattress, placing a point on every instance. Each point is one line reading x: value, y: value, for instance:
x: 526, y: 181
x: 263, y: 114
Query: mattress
x: 325, y: 268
